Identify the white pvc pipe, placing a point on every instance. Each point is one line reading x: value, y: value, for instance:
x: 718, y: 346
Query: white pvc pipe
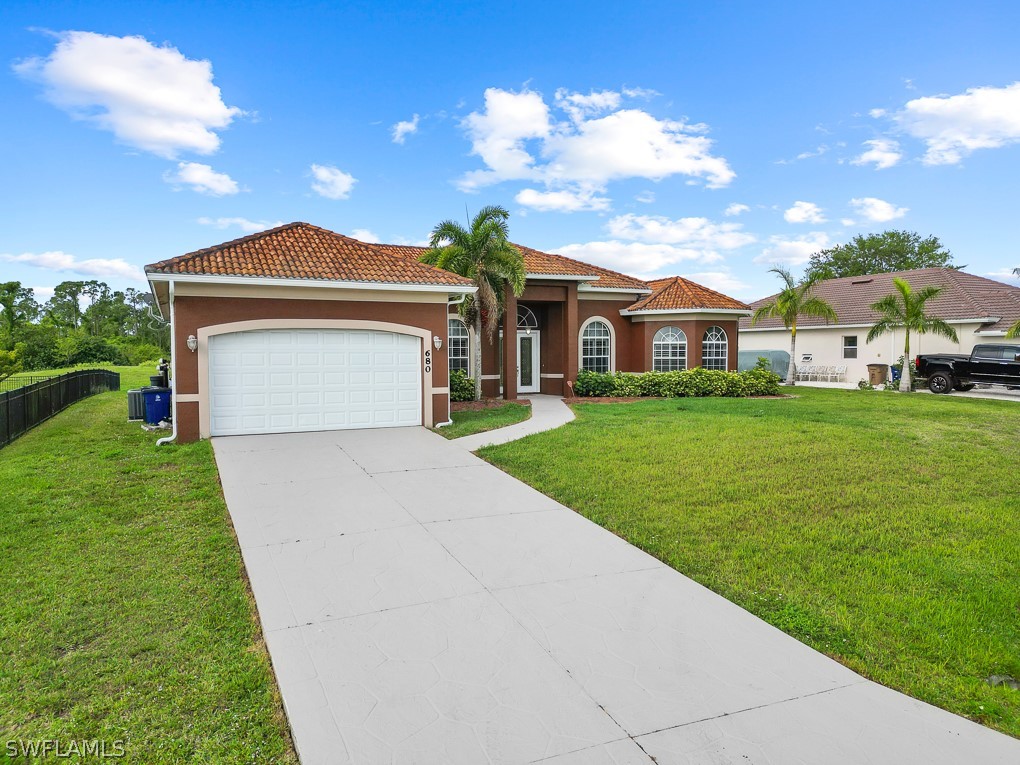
x: 173, y: 373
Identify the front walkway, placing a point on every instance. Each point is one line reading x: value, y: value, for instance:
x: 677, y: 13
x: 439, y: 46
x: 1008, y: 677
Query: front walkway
x: 547, y: 412
x: 422, y: 606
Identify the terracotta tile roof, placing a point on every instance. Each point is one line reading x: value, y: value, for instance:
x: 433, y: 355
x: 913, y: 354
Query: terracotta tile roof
x: 966, y: 296
x: 303, y: 251
x: 676, y: 293
x: 541, y: 263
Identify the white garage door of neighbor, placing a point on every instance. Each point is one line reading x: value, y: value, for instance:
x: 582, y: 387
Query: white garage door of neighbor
x: 282, y: 381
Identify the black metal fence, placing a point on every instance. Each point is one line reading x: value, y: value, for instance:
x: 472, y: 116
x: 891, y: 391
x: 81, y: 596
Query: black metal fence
x: 23, y: 408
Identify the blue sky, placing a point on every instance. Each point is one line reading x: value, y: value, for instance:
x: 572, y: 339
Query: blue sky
x: 711, y: 140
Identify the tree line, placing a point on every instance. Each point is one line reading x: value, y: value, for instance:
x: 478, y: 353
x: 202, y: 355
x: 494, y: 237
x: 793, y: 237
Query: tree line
x: 84, y: 322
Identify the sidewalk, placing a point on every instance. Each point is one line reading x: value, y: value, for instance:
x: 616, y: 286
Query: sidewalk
x: 547, y: 412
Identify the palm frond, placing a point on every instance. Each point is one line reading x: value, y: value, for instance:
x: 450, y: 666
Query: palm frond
x: 938, y: 327
x: 881, y: 327
x: 1014, y: 331
x: 767, y: 311
x: 815, y: 306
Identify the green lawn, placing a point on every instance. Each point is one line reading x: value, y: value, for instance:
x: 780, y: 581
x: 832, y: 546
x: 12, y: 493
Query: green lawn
x: 471, y: 422
x: 130, y: 377
x: 880, y: 528
x: 124, y: 612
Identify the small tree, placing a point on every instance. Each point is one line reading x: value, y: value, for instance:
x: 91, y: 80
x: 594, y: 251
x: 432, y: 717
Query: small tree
x: 10, y: 363
x: 905, y: 308
x: 794, y: 300
x: 484, y: 254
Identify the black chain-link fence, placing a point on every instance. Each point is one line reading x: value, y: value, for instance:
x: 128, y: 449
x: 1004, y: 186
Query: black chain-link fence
x: 23, y: 408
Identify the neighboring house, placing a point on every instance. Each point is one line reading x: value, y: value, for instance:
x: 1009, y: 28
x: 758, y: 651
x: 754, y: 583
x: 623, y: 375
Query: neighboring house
x: 299, y: 328
x: 979, y: 309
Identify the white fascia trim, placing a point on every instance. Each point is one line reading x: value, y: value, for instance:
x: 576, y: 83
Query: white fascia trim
x: 269, y: 281
x: 786, y: 330
x: 991, y: 332
x: 617, y: 290
x: 733, y: 311
x: 561, y: 277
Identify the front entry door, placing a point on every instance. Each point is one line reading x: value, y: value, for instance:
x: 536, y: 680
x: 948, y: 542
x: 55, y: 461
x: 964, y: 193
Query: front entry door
x: 528, y: 362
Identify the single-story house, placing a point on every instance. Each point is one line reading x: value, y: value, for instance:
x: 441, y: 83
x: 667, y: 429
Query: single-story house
x: 979, y: 309
x: 300, y: 328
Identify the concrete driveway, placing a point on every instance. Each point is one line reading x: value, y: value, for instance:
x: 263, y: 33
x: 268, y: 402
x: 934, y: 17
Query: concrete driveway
x: 421, y: 606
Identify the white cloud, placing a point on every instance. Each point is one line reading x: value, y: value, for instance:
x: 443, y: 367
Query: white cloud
x: 561, y: 201
x: 817, y: 152
x: 247, y: 226
x: 735, y: 209
x: 636, y: 258
x: 405, y: 241
x: 579, y: 106
x: 694, y: 232
x: 61, y: 261
x: 203, y: 179
x: 804, y: 212
x: 518, y: 138
x: 720, y: 281
x: 847, y: 222
x: 882, y: 152
x: 877, y: 210
x: 150, y: 97
x: 1004, y: 275
x: 365, y: 235
x: 42, y: 294
x: 331, y: 182
x: 405, y: 128
x: 954, y: 126
x: 876, y: 113
x: 795, y: 251
x: 644, y: 245
x: 645, y: 197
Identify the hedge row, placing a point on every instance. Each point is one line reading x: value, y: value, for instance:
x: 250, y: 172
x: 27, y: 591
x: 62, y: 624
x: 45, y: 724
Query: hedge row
x: 687, y: 383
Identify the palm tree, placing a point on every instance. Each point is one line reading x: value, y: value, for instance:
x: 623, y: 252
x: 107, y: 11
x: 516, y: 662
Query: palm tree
x: 905, y: 308
x: 1014, y: 331
x: 484, y: 254
x: 794, y: 300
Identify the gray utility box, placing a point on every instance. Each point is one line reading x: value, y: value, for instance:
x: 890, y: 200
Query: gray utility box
x: 136, y: 405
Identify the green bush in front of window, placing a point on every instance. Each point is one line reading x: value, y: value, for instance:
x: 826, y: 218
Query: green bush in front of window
x: 688, y: 383
x: 462, y: 387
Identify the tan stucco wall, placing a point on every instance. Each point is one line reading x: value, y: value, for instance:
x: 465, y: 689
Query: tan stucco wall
x: 826, y: 345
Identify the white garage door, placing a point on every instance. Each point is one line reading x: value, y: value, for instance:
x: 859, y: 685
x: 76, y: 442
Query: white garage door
x: 281, y: 381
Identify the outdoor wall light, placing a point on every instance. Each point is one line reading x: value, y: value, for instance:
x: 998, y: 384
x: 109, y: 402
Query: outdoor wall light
x: 438, y: 341
x: 192, y: 343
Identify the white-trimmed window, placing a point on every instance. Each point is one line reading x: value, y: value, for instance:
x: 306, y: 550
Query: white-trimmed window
x: 458, y: 346
x: 849, y: 346
x: 714, y: 349
x: 669, y: 350
x: 597, y: 346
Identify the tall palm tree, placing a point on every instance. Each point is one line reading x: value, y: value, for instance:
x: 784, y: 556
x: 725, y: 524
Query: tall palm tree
x: 905, y: 308
x: 1014, y: 331
x: 484, y: 254
x: 794, y: 300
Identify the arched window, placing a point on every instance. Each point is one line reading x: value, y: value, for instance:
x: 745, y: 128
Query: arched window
x: 714, y: 349
x: 669, y: 350
x: 526, y: 318
x: 458, y: 346
x: 596, y: 346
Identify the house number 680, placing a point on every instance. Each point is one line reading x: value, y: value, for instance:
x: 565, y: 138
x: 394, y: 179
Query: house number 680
x: 428, y: 361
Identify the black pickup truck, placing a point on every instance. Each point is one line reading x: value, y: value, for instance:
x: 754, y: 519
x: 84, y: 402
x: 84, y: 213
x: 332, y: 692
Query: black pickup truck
x: 989, y: 364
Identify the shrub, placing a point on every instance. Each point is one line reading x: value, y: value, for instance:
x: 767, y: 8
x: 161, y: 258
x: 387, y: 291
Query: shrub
x: 462, y: 387
x: 595, y: 384
x: 688, y: 383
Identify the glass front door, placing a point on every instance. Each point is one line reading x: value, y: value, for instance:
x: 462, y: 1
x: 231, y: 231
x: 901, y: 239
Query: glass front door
x: 528, y: 380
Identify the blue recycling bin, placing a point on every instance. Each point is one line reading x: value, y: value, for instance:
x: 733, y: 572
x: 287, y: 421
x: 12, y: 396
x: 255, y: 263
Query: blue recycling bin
x: 157, y: 404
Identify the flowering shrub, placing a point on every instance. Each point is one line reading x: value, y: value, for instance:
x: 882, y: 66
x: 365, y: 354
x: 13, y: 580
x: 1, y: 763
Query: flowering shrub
x: 688, y: 383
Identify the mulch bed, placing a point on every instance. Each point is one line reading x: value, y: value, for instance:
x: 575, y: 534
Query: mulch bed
x: 485, y: 403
